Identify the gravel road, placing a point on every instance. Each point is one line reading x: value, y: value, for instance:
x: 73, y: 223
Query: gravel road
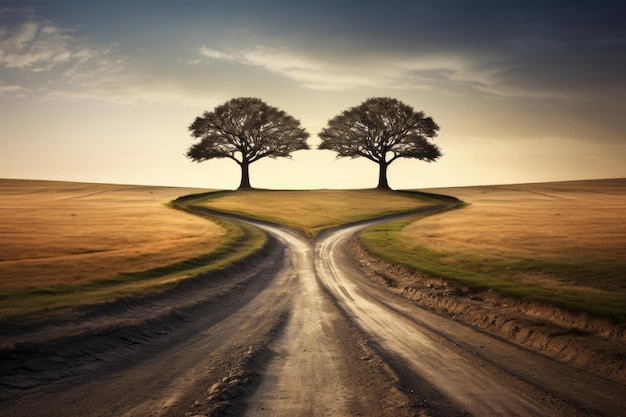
x: 295, y: 331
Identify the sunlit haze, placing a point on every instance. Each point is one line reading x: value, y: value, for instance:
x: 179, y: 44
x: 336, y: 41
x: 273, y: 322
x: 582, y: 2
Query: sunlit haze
x: 105, y: 91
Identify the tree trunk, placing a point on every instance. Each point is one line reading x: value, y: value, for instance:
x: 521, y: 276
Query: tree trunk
x: 245, y: 176
x: 382, y: 176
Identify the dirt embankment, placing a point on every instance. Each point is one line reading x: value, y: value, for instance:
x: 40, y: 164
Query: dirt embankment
x: 202, y: 348
x: 594, y: 344
x: 74, y: 344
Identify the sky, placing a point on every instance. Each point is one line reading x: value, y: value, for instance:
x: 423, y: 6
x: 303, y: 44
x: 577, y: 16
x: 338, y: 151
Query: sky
x: 104, y: 91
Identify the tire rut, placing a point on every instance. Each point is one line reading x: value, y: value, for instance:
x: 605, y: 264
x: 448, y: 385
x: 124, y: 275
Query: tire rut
x: 412, y: 339
x: 67, y: 348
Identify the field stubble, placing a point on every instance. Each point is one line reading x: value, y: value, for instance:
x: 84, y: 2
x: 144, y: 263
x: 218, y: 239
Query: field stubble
x: 71, y: 234
x: 553, y: 252
x: 568, y: 236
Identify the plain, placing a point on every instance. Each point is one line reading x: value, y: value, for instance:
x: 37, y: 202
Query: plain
x: 64, y: 244
x: 560, y: 243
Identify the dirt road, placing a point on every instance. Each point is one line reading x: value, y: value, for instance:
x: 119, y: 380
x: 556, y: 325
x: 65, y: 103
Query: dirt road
x: 448, y: 364
x: 296, y: 331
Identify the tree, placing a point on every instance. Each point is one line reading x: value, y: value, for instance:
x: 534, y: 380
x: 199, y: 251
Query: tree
x: 245, y: 130
x: 382, y: 130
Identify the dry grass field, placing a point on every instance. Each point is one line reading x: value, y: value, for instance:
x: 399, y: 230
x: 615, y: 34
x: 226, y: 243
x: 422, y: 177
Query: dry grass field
x: 56, y: 237
x: 312, y: 211
x: 578, y: 223
x: 74, y: 243
x: 566, y: 238
x: 68, y: 233
x: 558, y: 242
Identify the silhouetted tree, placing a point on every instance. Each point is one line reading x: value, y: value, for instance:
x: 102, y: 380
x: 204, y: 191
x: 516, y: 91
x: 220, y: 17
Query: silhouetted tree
x: 382, y: 130
x: 245, y: 130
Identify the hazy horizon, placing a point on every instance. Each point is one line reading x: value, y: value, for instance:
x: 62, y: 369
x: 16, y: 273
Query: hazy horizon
x: 105, y: 92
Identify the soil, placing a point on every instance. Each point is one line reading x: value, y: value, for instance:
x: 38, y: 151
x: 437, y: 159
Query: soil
x: 309, y: 329
x: 593, y: 344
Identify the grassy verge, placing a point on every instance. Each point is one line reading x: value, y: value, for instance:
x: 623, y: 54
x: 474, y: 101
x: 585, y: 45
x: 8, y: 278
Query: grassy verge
x: 241, y: 240
x: 522, y: 260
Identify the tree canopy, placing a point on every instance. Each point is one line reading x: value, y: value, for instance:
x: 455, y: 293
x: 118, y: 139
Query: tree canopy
x: 382, y: 130
x: 245, y: 130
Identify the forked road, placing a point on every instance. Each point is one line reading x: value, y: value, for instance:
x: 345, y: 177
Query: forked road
x: 445, y: 368
x: 302, y: 334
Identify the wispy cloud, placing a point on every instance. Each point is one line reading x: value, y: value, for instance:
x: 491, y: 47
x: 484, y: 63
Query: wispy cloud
x: 214, y: 54
x: 35, y: 45
x: 30, y: 45
x: 345, y: 72
x: 309, y: 71
x: 50, y: 62
x: 498, y: 49
x: 446, y: 72
x: 12, y: 90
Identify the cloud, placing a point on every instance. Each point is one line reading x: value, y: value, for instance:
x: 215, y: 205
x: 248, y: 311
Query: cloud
x: 213, y: 54
x: 43, y: 60
x: 500, y: 52
x: 282, y: 61
x: 32, y: 45
x: 310, y: 72
x: 339, y: 72
x: 527, y: 50
x: 14, y: 91
x: 447, y: 73
x: 35, y: 45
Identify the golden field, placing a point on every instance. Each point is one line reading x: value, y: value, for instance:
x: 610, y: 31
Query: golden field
x: 579, y: 223
x: 65, y: 244
x: 562, y: 243
x: 312, y: 211
x: 558, y: 243
x: 71, y: 233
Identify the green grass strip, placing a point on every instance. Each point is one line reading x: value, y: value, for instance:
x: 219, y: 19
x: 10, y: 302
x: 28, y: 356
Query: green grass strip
x: 385, y: 241
x: 242, y: 240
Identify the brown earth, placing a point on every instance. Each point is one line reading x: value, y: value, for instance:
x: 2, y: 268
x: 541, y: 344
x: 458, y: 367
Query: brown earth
x: 277, y: 334
x: 594, y: 344
x: 202, y: 349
